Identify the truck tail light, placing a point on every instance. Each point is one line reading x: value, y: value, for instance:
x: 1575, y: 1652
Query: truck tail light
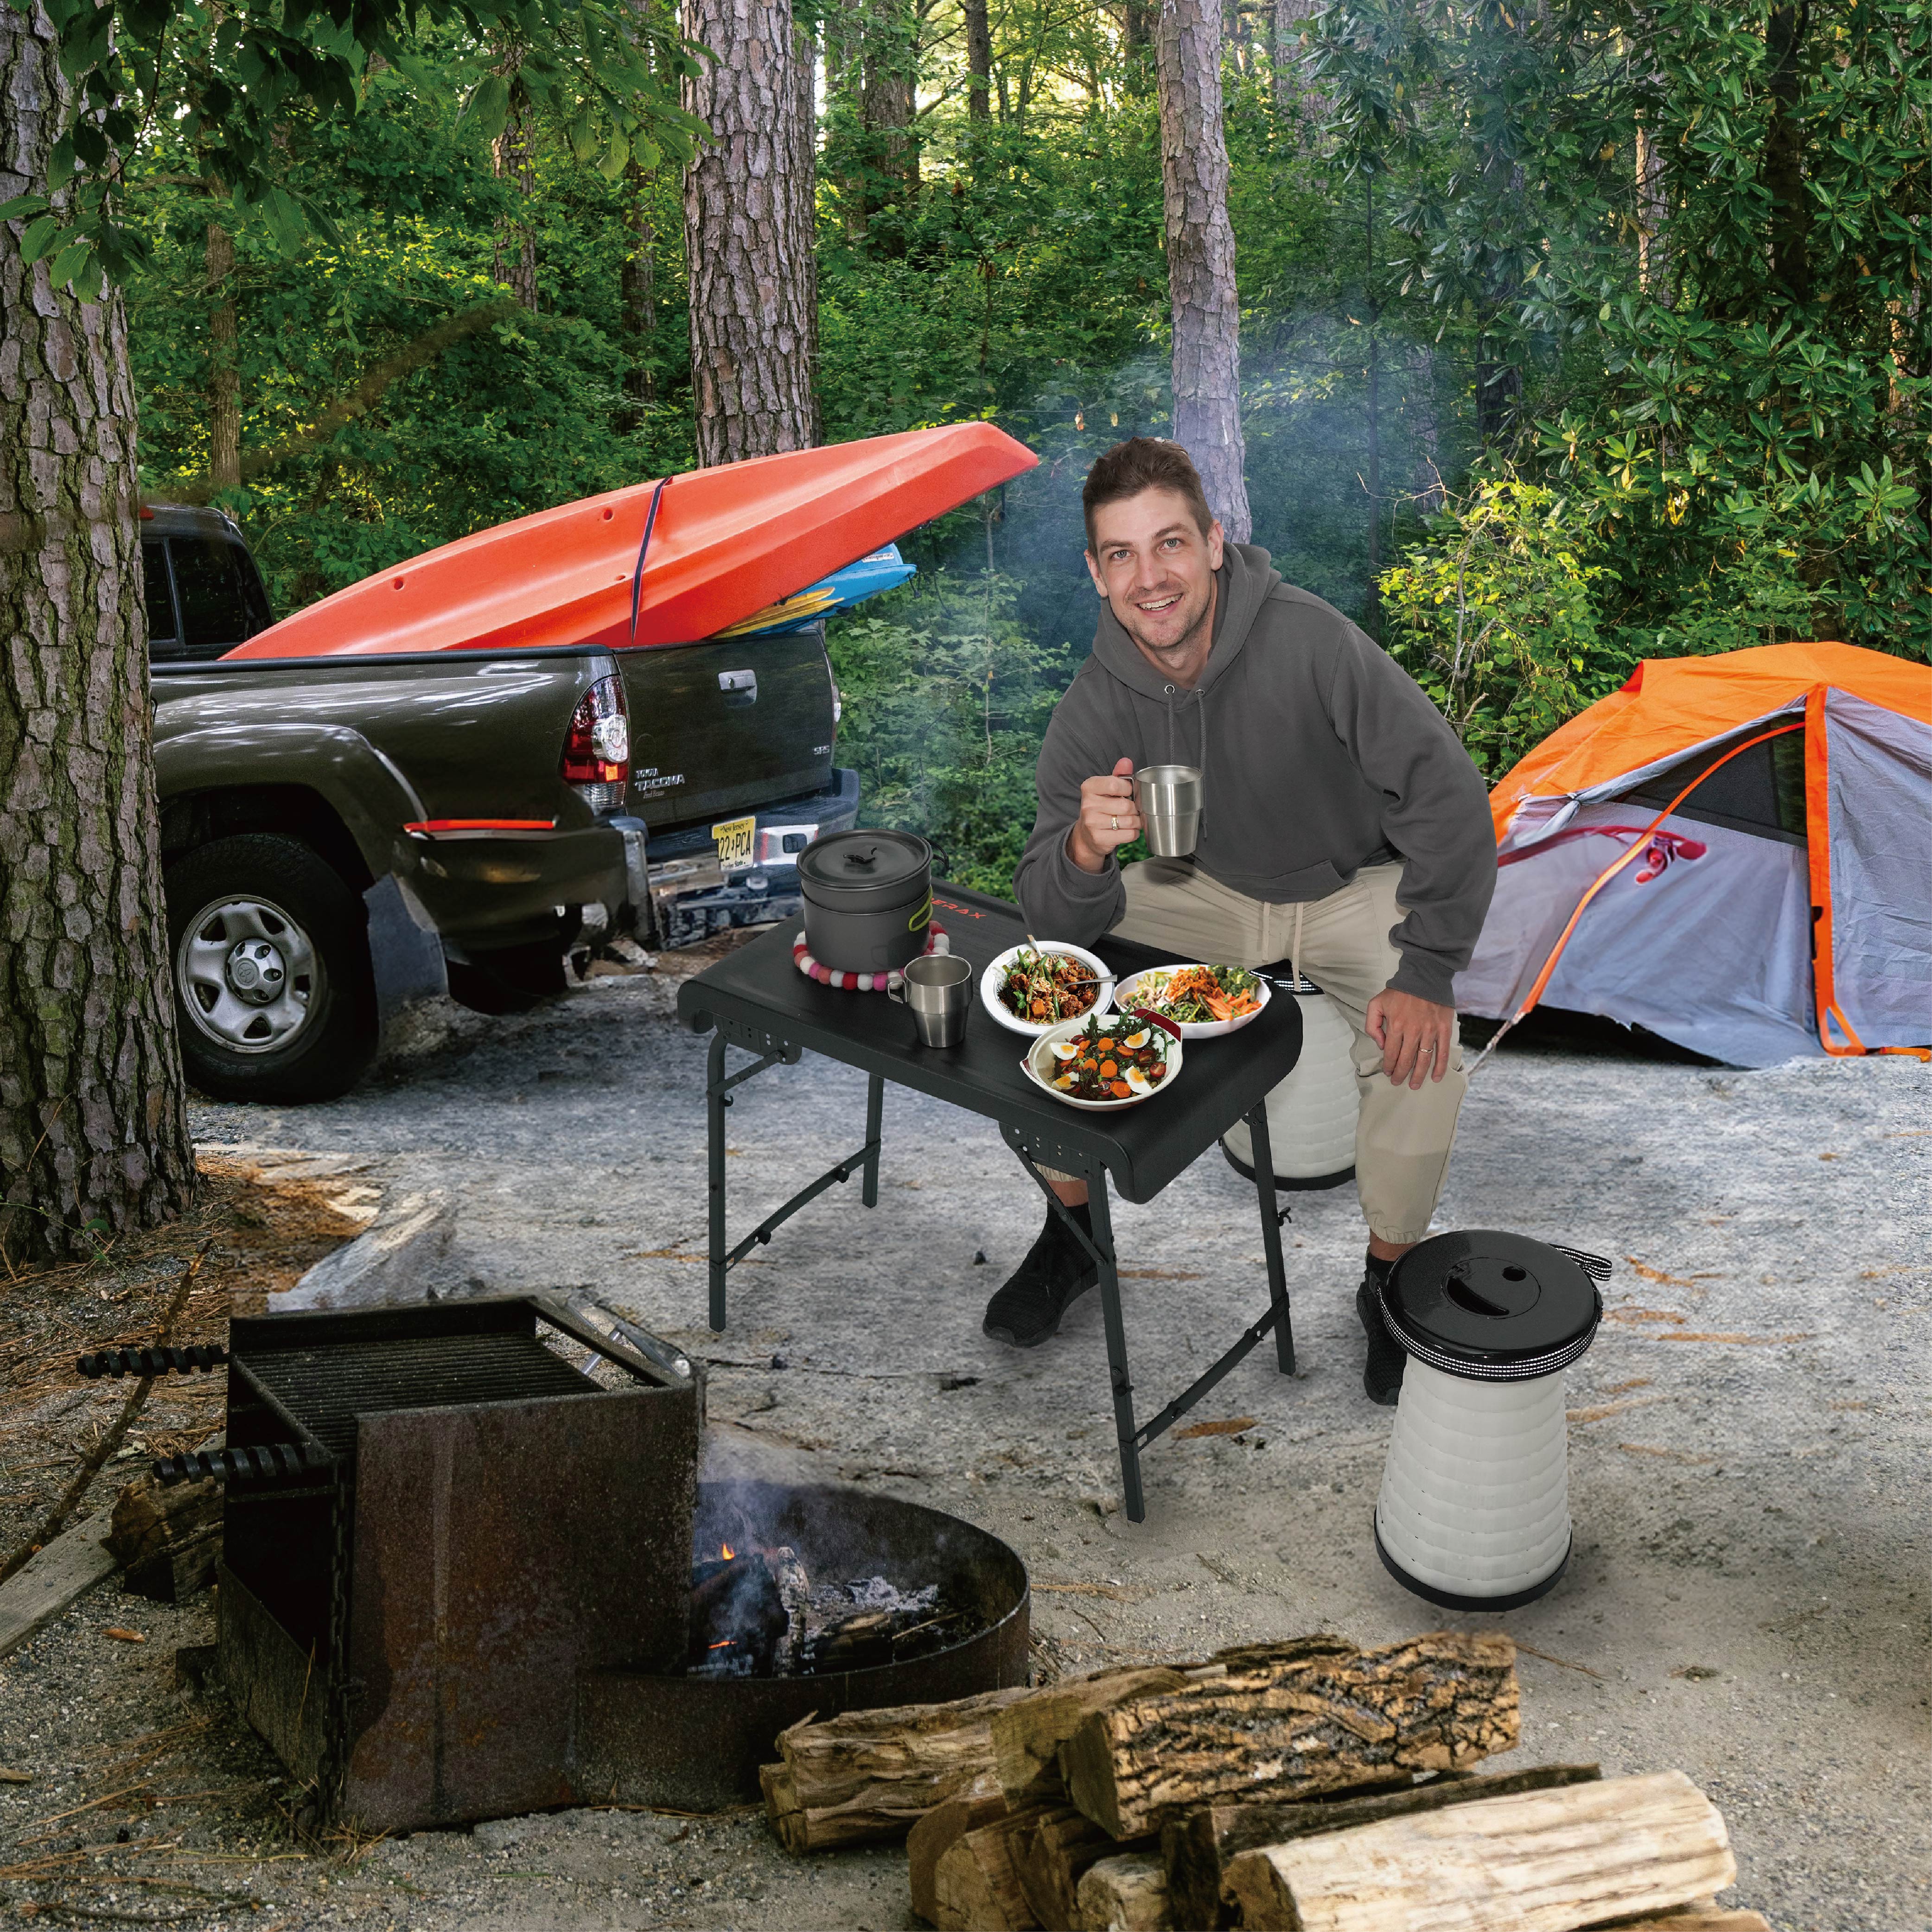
x: 597, y: 748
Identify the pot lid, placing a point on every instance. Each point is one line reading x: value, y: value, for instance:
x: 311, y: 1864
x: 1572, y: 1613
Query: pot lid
x: 861, y: 871
x: 1491, y: 1306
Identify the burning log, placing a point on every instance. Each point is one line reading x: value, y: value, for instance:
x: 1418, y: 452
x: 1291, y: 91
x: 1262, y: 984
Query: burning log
x: 1126, y: 1893
x: 1197, y: 1850
x: 1294, y: 1720
x: 1546, y: 1861
x: 980, y: 1803
x: 738, y: 1615
x: 871, y: 1774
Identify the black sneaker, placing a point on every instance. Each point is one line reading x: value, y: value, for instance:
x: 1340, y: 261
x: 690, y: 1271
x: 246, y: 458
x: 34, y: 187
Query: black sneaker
x: 1027, y: 1309
x: 1381, y: 1374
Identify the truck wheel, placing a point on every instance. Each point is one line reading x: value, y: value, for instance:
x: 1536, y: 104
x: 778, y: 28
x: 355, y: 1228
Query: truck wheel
x: 274, y: 995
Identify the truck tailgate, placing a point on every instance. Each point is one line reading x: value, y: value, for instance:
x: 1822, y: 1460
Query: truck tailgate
x: 721, y: 727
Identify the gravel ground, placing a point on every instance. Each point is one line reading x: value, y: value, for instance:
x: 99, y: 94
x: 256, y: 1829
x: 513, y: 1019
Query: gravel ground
x: 1747, y: 1597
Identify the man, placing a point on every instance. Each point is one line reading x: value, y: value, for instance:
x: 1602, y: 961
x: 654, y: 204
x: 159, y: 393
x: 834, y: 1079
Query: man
x: 1343, y: 827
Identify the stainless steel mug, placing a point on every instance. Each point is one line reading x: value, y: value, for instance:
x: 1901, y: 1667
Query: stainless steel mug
x: 938, y: 988
x: 1170, y: 802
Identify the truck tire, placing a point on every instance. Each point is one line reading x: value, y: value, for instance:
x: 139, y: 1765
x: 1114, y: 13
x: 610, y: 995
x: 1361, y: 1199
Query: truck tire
x: 274, y: 998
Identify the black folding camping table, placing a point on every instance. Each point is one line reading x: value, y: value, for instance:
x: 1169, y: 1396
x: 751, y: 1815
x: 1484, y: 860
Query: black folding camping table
x: 757, y: 999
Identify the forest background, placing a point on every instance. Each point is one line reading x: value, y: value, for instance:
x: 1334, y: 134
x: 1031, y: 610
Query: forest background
x: 1570, y: 335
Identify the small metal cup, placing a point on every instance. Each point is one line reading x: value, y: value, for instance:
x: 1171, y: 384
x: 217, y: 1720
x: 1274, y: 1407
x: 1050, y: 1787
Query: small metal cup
x: 938, y: 988
x: 1170, y: 803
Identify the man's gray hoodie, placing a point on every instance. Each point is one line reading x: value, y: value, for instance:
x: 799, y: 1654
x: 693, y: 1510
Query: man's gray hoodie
x: 1319, y: 755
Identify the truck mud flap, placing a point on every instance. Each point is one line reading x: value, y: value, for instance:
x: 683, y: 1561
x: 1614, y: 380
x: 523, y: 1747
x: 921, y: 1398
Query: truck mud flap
x: 404, y: 951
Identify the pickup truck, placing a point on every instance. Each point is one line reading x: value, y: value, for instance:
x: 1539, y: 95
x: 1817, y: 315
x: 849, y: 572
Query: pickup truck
x: 340, y: 834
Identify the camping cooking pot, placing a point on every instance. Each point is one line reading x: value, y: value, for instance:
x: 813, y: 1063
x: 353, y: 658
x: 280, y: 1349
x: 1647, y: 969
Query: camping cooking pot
x: 868, y: 899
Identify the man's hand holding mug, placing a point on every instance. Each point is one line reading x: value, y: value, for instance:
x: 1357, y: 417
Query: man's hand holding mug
x: 1109, y: 817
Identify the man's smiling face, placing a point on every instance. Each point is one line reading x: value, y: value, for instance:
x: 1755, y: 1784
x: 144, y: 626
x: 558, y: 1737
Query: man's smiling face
x: 1155, y: 565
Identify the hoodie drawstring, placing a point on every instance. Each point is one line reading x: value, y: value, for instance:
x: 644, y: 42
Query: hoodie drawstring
x: 1200, y: 697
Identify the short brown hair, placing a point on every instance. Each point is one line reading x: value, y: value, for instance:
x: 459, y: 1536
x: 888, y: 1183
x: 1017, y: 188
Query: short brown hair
x: 1144, y: 463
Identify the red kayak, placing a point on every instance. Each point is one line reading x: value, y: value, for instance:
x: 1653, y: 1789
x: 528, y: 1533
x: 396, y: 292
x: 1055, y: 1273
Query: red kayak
x: 668, y: 562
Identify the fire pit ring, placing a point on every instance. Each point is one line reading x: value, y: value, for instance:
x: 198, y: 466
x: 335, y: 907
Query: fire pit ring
x: 696, y: 1742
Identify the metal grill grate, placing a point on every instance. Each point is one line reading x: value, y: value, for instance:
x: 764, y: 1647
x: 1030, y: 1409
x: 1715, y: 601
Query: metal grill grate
x: 326, y: 1388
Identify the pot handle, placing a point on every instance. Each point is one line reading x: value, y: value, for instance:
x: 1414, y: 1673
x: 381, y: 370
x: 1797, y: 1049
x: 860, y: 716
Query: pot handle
x: 895, y: 990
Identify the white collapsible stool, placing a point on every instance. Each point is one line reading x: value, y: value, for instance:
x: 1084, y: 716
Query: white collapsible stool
x: 1474, y: 1509
x: 1311, y: 1115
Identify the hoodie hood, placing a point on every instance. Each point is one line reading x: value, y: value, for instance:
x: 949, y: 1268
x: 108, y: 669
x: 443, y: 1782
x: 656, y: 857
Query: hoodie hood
x: 1242, y: 584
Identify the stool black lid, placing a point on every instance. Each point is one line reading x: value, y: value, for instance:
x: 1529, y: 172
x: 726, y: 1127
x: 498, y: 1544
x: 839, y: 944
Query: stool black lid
x: 1492, y: 1306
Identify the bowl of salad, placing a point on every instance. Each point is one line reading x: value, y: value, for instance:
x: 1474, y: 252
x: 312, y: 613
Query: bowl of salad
x: 1029, y: 989
x: 1106, y: 1061
x: 1204, y: 1001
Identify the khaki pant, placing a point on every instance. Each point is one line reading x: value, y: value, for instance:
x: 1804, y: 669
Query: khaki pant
x: 1403, y: 1135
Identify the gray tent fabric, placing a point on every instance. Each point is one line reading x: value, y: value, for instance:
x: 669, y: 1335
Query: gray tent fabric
x: 1706, y: 940
x: 1880, y: 794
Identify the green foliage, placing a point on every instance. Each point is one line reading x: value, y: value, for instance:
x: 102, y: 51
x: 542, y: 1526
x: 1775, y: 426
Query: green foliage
x: 1496, y: 616
x: 229, y: 80
x: 946, y: 699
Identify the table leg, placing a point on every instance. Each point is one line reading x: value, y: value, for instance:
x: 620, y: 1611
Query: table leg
x: 714, y: 1109
x: 1263, y: 1156
x: 875, y: 1107
x: 1116, y: 1349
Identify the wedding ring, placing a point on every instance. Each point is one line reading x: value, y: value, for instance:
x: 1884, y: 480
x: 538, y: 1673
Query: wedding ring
x: 1117, y: 825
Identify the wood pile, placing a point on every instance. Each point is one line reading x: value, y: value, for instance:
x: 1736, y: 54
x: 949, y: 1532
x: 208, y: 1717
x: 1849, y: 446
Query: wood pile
x: 1309, y: 1785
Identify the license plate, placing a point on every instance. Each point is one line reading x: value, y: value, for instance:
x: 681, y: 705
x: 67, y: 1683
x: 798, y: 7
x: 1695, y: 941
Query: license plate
x: 734, y: 838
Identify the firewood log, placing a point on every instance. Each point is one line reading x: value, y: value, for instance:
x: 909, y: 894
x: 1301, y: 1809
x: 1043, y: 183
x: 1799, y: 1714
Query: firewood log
x: 1707, y: 1917
x: 977, y: 1885
x: 168, y: 1540
x: 869, y: 1774
x: 1197, y: 1850
x: 1540, y: 1861
x: 1053, y: 1855
x: 1028, y: 1735
x: 1126, y: 1893
x: 1285, y: 1724
x: 979, y: 1803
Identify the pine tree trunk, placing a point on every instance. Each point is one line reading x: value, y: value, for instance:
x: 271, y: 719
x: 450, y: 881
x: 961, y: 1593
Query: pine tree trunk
x: 513, y: 155
x: 1137, y: 43
x: 1653, y: 253
x: 804, y: 210
x: 1784, y: 153
x: 1295, y: 95
x: 637, y: 295
x: 1201, y: 257
x: 752, y: 280
x: 224, y: 370
x: 93, y: 1127
x: 889, y: 100
x: 978, y: 62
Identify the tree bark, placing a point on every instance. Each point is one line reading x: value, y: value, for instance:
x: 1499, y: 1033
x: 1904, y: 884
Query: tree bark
x: 978, y: 62
x: 1205, y: 305
x: 1296, y: 96
x: 513, y: 156
x: 803, y: 182
x: 93, y: 1125
x: 1197, y: 1849
x: 224, y: 364
x: 1137, y: 44
x: 1653, y: 266
x: 887, y: 103
x: 1293, y: 1721
x: 1542, y: 1861
x: 747, y: 246
x: 1784, y: 153
x: 637, y: 296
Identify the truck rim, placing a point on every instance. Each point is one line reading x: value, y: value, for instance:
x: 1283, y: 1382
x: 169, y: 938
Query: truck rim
x: 248, y: 974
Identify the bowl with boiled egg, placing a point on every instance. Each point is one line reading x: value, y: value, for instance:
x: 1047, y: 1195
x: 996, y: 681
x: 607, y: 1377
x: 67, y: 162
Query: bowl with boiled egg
x: 1105, y: 1061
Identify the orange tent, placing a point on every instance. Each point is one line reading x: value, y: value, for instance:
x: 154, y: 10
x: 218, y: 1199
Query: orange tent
x: 1773, y: 893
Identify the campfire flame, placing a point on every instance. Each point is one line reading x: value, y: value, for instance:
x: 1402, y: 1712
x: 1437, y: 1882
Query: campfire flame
x: 730, y: 1553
